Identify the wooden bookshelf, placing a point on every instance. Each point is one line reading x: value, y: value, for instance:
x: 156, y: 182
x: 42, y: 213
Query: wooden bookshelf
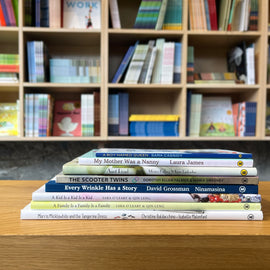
x: 136, y: 244
x: 111, y: 45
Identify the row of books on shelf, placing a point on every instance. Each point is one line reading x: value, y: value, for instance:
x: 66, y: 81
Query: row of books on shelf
x: 240, y: 67
x: 217, y: 116
x: 75, y: 69
x: 9, y: 13
x: 224, y: 15
x: 158, y: 61
x: 63, y: 13
x: 110, y: 183
x: 160, y: 14
x: 45, y: 117
x: 122, y: 123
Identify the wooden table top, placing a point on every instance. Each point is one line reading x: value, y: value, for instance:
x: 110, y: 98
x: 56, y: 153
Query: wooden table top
x: 17, y: 194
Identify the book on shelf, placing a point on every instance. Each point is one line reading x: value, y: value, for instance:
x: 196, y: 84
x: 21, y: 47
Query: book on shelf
x: 9, y: 63
x: 118, y: 114
x: 52, y: 186
x: 37, y: 59
x: 113, y: 114
x: 9, y: 119
x: 194, y: 119
x: 169, y: 206
x: 148, y: 13
x: 123, y: 114
x: 190, y: 64
x: 96, y: 113
x: 55, y: 13
x: 244, y: 114
x: 154, y: 125
x: 216, y: 116
x: 173, y: 15
x: 161, y: 15
x: 82, y: 14
x: 177, y: 63
x: 167, y: 68
x: 267, y: 119
x: 87, y: 114
x: 28, y: 213
x: 114, y: 12
x: 67, y: 118
x: 75, y: 69
x: 253, y: 16
x: 156, y: 76
x: 38, y: 115
x: 9, y: 12
x: 215, y: 78
x: 224, y: 15
x: 136, y: 64
x: 124, y: 64
x: 151, y: 66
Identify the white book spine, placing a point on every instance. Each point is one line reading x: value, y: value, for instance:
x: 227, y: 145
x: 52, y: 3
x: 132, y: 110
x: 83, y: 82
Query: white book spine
x: 151, y: 66
x: 114, y: 11
x: 167, y: 63
x: 171, y: 162
x: 28, y: 213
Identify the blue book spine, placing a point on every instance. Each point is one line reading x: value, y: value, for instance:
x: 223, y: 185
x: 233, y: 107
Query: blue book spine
x: 44, y: 13
x: 52, y: 186
x: 123, y: 113
x: 37, y: 13
x: 120, y: 71
x: 250, y: 126
x: 177, y: 63
x: 5, y: 12
x: 173, y: 155
x: 155, y: 128
x: 113, y: 118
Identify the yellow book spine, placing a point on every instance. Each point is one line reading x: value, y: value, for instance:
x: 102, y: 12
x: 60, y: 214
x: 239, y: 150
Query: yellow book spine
x: 144, y: 205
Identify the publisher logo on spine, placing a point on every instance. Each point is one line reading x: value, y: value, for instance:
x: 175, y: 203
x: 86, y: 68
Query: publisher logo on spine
x: 242, y: 189
x: 240, y: 163
x: 250, y: 217
x: 244, y: 172
x: 246, y: 206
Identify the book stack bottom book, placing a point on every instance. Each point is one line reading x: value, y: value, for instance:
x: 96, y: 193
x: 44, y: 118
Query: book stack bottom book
x: 86, y: 190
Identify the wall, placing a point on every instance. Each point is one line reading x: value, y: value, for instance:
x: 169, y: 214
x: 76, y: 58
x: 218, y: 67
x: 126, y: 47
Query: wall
x: 42, y: 160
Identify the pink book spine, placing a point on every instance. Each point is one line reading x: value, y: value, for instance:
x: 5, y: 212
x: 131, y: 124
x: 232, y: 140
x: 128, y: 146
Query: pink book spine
x: 11, y: 13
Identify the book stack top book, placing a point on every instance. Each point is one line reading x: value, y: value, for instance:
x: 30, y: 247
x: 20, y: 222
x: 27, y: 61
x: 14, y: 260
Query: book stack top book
x: 151, y: 184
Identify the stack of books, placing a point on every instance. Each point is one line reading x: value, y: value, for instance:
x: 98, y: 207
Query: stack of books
x: 154, y: 125
x: 75, y: 70
x: 9, y: 68
x: 118, y: 183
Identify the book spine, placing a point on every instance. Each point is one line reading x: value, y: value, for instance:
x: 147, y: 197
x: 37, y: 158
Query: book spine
x: 52, y: 186
x: 114, y: 11
x: 27, y: 213
x: 167, y: 63
x: 173, y: 179
x: 167, y: 162
x: 152, y: 170
x: 161, y: 154
x: 120, y: 71
x: 173, y: 206
x: 5, y: 12
x: 143, y: 197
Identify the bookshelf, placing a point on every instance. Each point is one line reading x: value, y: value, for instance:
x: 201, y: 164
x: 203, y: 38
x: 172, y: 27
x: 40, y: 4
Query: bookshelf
x: 111, y: 45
